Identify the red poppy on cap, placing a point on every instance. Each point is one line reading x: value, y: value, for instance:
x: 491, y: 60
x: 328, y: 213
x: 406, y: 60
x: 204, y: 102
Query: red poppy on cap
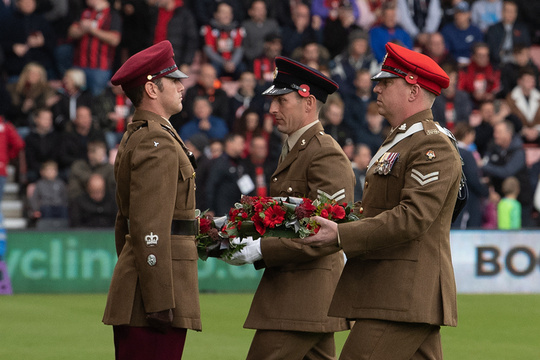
x: 151, y: 63
x: 290, y: 75
x: 414, y: 67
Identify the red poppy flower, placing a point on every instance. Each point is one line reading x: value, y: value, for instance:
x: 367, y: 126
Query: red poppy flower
x: 337, y: 212
x: 259, y: 225
x: 273, y: 216
x: 205, y: 225
x: 324, y: 213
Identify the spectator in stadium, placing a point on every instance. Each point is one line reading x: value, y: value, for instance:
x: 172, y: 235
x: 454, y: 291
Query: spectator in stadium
x: 257, y: 28
x: 485, y: 13
x: 313, y: 54
x: 362, y: 156
x: 258, y: 166
x: 356, y: 104
x: 505, y: 157
x: 48, y: 198
x: 419, y: 18
x: 435, y: 48
x: 489, y: 115
x: 95, y: 207
x: 480, y: 79
x: 74, y: 141
x: 332, y: 118
x: 72, y: 94
x: 175, y: 22
x: 453, y: 105
x: 337, y: 29
x: 460, y: 35
x: 524, y: 102
x: 510, y: 71
x: 222, y: 189
x: 250, y: 125
x: 388, y: 31
x: 204, y: 10
x: 245, y: 97
x: 11, y: 144
x: 509, y: 208
x: 208, y: 86
x: 503, y: 35
x: 96, y: 162
x: 529, y: 13
x: 203, y: 122
x: 223, y: 42
x: 326, y: 11
x: 26, y: 37
x: 344, y: 66
x: 302, y: 30
x: 112, y: 110
x: 97, y: 34
x: 263, y: 66
x: 137, y: 26
x: 375, y: 130
x: 30, y: 92
x: 471, y: 215
x: 42, y: 144
x: 199, y: 145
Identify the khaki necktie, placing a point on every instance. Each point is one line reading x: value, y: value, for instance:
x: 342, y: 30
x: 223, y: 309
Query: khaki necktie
x: 284, y: 150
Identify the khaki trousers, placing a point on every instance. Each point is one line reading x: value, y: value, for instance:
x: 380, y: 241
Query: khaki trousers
x: 292, y: 345
x: 384, y: 340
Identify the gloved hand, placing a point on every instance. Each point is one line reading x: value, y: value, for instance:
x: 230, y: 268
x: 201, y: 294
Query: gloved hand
x: 161, y: 320
x: 250, y: 253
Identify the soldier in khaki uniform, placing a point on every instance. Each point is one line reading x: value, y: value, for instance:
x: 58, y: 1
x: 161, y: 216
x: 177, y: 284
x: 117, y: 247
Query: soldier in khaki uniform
x: 290, y: 306
x: 153, y: 297
x: 398, y: 283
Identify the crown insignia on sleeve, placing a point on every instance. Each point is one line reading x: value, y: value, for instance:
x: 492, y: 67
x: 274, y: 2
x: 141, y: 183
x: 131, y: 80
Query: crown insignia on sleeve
x: 151, y: 239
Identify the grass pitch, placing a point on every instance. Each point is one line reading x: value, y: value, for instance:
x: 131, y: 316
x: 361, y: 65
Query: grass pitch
x: 69, y: 327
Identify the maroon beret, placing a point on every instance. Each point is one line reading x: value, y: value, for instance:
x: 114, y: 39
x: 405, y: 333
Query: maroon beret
x: 414, y: 67
x: 151, y: 63
x: 290, y: 75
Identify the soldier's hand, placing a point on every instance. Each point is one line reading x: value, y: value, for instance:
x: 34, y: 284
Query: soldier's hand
x: 160, y: 320
x: 327, y: 235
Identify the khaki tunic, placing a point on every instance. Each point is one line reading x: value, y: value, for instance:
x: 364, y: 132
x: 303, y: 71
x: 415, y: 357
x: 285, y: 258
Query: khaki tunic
x: 399, y: 265
x: 297, y: 285
x: 155, y: 184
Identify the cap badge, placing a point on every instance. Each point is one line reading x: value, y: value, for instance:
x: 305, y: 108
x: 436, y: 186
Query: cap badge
x: 151, y: 239
x: 275, y: 73
x: 149, y: 77
x: 384, y: 59
x: 411, y: 78
x: 304, y: 90
x: 430, y: 155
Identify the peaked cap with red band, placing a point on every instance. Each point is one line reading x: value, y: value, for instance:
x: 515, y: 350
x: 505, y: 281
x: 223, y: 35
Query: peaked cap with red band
x: 151, y: 63
x: 292, y: 76
x: 414, y: 67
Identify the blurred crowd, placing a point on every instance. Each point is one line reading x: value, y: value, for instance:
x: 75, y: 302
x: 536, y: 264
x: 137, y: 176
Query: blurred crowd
x: 57, y: 56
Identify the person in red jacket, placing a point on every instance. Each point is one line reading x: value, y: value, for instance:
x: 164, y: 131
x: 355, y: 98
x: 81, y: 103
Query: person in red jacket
x: 480, y: 79
x: 10, y: 146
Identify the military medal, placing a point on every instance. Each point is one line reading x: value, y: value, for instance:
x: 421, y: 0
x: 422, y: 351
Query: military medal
x: 385, y: 163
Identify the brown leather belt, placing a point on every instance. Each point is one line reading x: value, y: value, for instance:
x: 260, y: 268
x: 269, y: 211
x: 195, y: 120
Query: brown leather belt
x: 185, y: 227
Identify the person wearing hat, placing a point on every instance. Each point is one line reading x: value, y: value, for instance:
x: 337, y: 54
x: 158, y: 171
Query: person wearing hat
x: 289, y: 309
x: 153, y: 297
x: 398, y: 283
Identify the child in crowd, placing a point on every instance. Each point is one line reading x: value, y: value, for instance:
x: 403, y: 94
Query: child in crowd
x: 509, y: 209
x: 49, y: 199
